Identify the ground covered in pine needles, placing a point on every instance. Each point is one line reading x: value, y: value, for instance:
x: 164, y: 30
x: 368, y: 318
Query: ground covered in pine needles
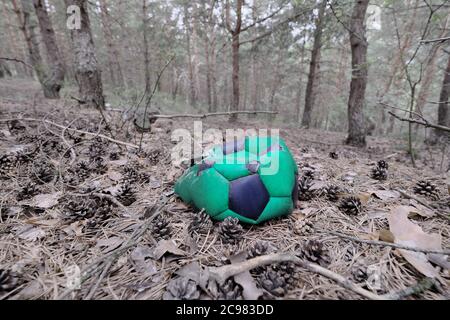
x: 75, y: 206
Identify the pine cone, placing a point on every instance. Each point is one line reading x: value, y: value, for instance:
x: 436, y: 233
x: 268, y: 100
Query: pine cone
x: 287, y: 270
x: 304, y: 189
x: 258, y: 248
x: 97, y: 148
x: 427, y: 189
x: 383, y: 164
x: 82, y: 170
x: 98, y: 165
x: 359, y: 272
x: 28, y: 191
x: 273, y: 282
x: 351, y: 206
x: 303, y: 227
x: 230, y: 290
x: 44, y: 172
x: 7, y: 164
x: 132, y: 175
x: 154, y: 156
x: 314, y: 251
x: 126, y: 194
x: 8, y: 281
x: 200, y: 223
x: 114, y: 156
x: 333, y: 155
x: 16, y: 127
x: 332, y: 192
x: 102, y: 210
x: 379, y: 173
x: 230, y: 230
x: 79, y: 209
x: 161, y: 227
x: 181, y: 289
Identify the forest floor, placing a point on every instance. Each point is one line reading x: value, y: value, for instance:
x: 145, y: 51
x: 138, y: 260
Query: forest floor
x: 82, y: 201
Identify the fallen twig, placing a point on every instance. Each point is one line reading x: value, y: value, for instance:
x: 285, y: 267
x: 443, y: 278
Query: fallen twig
x: 421, y: 286
x: 423, y: 123
x: 220, y: 274
x: 387, y: 244
x: 204, y: 115
x: 74, y: 130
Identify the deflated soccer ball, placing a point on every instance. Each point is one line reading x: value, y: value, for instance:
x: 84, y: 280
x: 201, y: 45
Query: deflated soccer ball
x: 253, y: 179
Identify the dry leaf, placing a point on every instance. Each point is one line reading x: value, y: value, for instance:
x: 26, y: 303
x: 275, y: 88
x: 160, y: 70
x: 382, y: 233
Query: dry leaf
x: 46, y: 201
x: 385, y: 194
x: 115, y: 175
x: 420, y: 209
x: 41, y: 222
x: 364, y: 197
x: 141, y: 258
x: 408, y: 233
x: 386, y: 236
x: 249, y: 289
x: 166, y: 246
x: 196, y: 273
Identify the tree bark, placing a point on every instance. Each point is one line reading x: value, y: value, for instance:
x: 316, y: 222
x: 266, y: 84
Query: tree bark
x: 54, y: 80
x: 28, y: 26
x: 147, y: 75
x: 87, y: 72
x: 315, y: 56
x: 191, y: 75
x: 235, y: 33
x: 443, y: 112
x: 298, y: 96
x: 356, y: 126
x: 115, y: 69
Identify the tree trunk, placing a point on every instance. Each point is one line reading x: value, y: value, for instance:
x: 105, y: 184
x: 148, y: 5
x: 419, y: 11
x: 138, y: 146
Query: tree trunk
x: 315, y: 56
x: 28, y: 27
x: 113, y: 54
x: 147, y: 76
x: 356, y: 126
x: 14, y: 49
x: 187, y: 25
x: 54, y: 80
x: 87, y: 72
x: 443, y: 112
x: 298, y: 95
x: 235, y: 33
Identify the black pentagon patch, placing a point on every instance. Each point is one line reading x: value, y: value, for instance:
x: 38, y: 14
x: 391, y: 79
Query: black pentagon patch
x: 248, y: 196
x: 295, y: 191
x: 252, y: 166
x: 233, y: 146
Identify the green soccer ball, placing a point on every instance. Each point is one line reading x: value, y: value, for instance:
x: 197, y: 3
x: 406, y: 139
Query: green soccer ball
x: 253, y: 179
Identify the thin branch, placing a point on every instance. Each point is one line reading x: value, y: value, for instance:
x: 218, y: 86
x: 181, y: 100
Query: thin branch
x: 387, y: 244
x: 149, y: 100
x: 421, y: 286
x: 201, y: 116
x: 423, y: 123
x: 435, y: 40
x: 74, y: 130
x: 220, y: 274
x: 17, y: 60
